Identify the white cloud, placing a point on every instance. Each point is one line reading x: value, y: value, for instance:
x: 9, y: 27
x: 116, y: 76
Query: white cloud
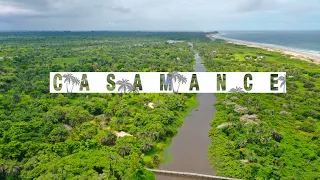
x: 151, y: 14
x: 7, y: 10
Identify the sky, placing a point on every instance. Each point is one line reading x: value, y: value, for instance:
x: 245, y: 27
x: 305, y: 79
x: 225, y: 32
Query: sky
x: 160, y: 15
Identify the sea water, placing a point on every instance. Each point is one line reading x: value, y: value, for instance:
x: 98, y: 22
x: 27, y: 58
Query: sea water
x: 302, y: 41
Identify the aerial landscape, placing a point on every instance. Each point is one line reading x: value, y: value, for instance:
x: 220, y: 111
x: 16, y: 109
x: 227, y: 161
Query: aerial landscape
x: 69, y: 135
x: 148, y: 136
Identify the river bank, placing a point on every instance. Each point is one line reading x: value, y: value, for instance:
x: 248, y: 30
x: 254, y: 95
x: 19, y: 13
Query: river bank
x: 290, y: 52
x: 189, y: 148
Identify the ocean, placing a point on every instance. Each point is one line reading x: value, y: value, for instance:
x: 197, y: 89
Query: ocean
x: 301, y: 41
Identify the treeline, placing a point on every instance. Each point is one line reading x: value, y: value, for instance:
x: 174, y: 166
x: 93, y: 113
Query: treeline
x: 57, y: 36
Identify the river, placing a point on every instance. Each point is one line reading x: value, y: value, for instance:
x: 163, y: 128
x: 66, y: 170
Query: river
x: 189, y: 148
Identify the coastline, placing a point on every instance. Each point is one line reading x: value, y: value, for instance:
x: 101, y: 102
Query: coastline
x: 292, y: 53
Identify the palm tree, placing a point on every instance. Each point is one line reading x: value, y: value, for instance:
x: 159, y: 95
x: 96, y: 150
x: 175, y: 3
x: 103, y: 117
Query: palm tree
x: 132, y: 89
x: 14, y: 170
x: 156, y: 159
x: 248, y: 101
x: 237, y: 90
x: 264, y: 140
x: 124, y: 85
x: 9, y: 171
x: 283, y: 83
x: 61, y: 134
x: 109, y: 139
x: 174, y: 76
x: 177, y: 77
x: 155, y: 135
x: 75, y: 81
x: 69, y: 78
x: 3, y: 171
x: 124, y: 150
x: 147, y: 146
x: 276, y: 136
x: 182, y: 79
x: 143, y: 135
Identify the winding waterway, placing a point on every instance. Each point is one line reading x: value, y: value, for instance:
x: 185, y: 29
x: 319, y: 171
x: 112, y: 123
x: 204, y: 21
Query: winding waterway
x: 189, y: 148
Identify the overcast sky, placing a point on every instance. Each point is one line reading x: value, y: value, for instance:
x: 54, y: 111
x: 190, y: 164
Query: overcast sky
x: 173, y: 15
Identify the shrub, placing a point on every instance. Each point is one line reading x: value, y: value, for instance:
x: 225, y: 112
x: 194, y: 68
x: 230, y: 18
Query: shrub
x: 307, y: 127
x: 109, y: 139
x: 276, y: 136
x: 308, y: 85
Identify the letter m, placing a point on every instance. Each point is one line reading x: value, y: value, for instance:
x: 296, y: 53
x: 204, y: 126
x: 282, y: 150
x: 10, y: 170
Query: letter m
x: 165, y: 82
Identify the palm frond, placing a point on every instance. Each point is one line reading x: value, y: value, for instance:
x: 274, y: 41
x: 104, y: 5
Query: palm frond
x: 124, y: 85
x: 132, y: 89
x: 68, y: 77
x: 75, y: 81
x: 183, y: 79
x: 237, y: 90
x: 119, y: 89
x: 175, y: 75
x: 282, y: 78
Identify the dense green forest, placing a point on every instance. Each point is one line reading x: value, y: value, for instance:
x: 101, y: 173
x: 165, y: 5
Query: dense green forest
x: 78, y: 136
x: 265, y: 136
x: 115, y: 136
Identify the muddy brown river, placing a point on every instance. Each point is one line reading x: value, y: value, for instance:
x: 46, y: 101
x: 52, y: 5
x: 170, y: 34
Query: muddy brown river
x: 189, y: 148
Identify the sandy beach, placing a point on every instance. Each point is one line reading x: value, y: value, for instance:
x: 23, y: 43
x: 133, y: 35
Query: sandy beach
x: 292, y: 53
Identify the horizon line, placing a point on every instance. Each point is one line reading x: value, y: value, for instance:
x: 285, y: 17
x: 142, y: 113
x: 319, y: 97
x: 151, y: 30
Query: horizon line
x: 205, y: 31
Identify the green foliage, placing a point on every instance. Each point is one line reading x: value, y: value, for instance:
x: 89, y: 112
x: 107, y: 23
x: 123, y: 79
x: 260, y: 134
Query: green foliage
x: 109, y: 139
x: 285, y: 143
x: 73, y: 136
